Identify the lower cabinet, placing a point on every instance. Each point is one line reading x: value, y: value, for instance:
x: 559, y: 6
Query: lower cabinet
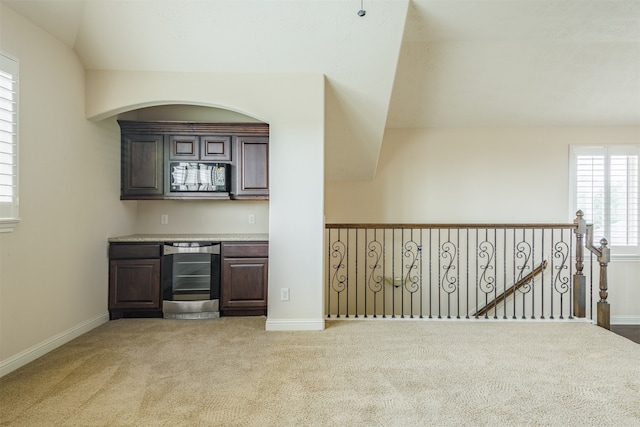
x: 134, y: 280
x: 244, y: 278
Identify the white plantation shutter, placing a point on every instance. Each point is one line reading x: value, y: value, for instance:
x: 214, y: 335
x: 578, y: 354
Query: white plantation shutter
x: 8, y: 140
x: 624, y: 200
x: 590, y: 190
x: 605, y: 187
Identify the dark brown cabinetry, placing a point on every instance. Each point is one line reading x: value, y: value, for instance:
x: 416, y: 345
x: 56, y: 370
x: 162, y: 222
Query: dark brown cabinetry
x: 199, y: 148
x: 252, y: 173
x: 244, y: 278
x: 142, y: 165
x: 134, y: 280
x: 148, y: 147
x: 183, y: 147
x: 215, y: 148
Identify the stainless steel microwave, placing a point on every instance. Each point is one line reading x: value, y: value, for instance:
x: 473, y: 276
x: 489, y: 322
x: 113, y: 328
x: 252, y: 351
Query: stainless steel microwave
x: 199, y: 176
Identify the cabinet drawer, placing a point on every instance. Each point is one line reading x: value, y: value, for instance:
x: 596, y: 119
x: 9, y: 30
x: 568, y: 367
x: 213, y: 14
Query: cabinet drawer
x: 245, y: 249
x: 215, y: 147
x: 134, y: 251
x: 183, y: 147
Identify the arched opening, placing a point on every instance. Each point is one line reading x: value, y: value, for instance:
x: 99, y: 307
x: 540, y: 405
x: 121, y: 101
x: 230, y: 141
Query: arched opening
x: 293, y: 106
x: 187, y: 112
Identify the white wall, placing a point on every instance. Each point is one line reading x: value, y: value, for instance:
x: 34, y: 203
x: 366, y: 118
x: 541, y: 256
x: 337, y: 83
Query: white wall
x: 469, y: 175
x: 206, y: 216
x: 293, y: 105
x: 482, y: 175
x: 53, y: 267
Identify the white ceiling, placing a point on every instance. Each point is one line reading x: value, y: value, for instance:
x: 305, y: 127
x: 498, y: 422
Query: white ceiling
x: 519, y: 63
x: 417, y: 63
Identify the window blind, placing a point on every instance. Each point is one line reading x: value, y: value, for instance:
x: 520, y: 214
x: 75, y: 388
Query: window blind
x: 606, y: 190
x: 8, y: 138
x: 590, y: 190
x: 624, y: 200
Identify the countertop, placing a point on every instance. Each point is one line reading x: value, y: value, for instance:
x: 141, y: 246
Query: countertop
x: 158, y: 238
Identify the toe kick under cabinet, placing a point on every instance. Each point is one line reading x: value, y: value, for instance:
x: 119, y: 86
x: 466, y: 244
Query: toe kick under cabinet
x: 244, y: 278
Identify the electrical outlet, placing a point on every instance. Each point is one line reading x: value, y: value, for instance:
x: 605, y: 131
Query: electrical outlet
x: 252, y: 219
x: 164, y: 219
x: 284, y: 294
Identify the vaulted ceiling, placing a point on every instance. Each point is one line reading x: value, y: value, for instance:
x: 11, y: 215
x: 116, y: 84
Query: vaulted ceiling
x: 405, y: 64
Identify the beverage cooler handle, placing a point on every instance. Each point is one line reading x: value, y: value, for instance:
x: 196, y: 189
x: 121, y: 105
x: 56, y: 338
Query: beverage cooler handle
x: 210, y: 249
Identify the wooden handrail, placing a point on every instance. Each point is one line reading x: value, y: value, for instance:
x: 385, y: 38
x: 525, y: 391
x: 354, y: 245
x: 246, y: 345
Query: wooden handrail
x: 509, y: 291
x: 445, y: 226
x: 363, y: 255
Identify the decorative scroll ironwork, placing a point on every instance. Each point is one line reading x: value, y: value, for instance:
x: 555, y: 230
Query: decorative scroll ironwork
x: 446, y: 271
x: 374, y: 251
x: 486, y: 252
x: 524, y: 252
x: 411, y: 279
x: 448, y: 252
x: 561, y: 281
x: 338, y: 281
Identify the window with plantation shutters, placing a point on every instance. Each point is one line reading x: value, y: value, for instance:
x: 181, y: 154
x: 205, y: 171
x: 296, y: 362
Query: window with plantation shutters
x: 8, y: 142
x: 605, y: 187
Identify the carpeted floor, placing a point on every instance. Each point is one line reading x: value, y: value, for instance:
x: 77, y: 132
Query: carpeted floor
x: 231, y: 372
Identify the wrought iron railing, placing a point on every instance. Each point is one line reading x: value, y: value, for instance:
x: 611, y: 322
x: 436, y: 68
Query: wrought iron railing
x: 454, y: 271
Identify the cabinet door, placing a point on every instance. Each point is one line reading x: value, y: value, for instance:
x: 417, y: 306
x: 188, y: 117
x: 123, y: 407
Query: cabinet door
x: 244, y: 286
x: 252, y: 171
x: 215, y: 148
x: 134, y: 284
x: 183, y: 147
x: 142, y: 165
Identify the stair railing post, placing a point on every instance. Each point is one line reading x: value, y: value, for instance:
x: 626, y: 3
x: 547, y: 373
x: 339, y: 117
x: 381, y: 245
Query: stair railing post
x: 604, y: 309
x: 604, y: 256
x: 579, y: 280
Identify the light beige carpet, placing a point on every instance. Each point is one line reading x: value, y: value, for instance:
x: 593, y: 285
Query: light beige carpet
x: 231, y: 372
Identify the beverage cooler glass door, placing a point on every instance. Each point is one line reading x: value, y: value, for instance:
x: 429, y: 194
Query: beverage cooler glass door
x: 193, y: 271
x: 191, y: 276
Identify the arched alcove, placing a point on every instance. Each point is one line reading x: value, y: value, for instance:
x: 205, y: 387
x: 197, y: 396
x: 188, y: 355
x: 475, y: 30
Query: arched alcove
x: 187, y: 112
x: 293, y: 105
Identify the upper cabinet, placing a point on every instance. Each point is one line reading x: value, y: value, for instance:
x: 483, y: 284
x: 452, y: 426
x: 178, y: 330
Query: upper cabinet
x: 215, y: 147
x: 252, y: 173
x: 142, y: 165
x: 207, y: 148
x: 187, y: 160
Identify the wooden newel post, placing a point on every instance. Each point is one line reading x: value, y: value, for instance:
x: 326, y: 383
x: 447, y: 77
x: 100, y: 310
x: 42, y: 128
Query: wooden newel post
x: 604, y: 309
x: 579, y: 280
x: 604, y: 256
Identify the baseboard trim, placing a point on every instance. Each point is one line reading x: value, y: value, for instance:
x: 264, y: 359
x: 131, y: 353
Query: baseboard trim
x: 294, y: 324
x: 625, y: 320
x: 39, y: 350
